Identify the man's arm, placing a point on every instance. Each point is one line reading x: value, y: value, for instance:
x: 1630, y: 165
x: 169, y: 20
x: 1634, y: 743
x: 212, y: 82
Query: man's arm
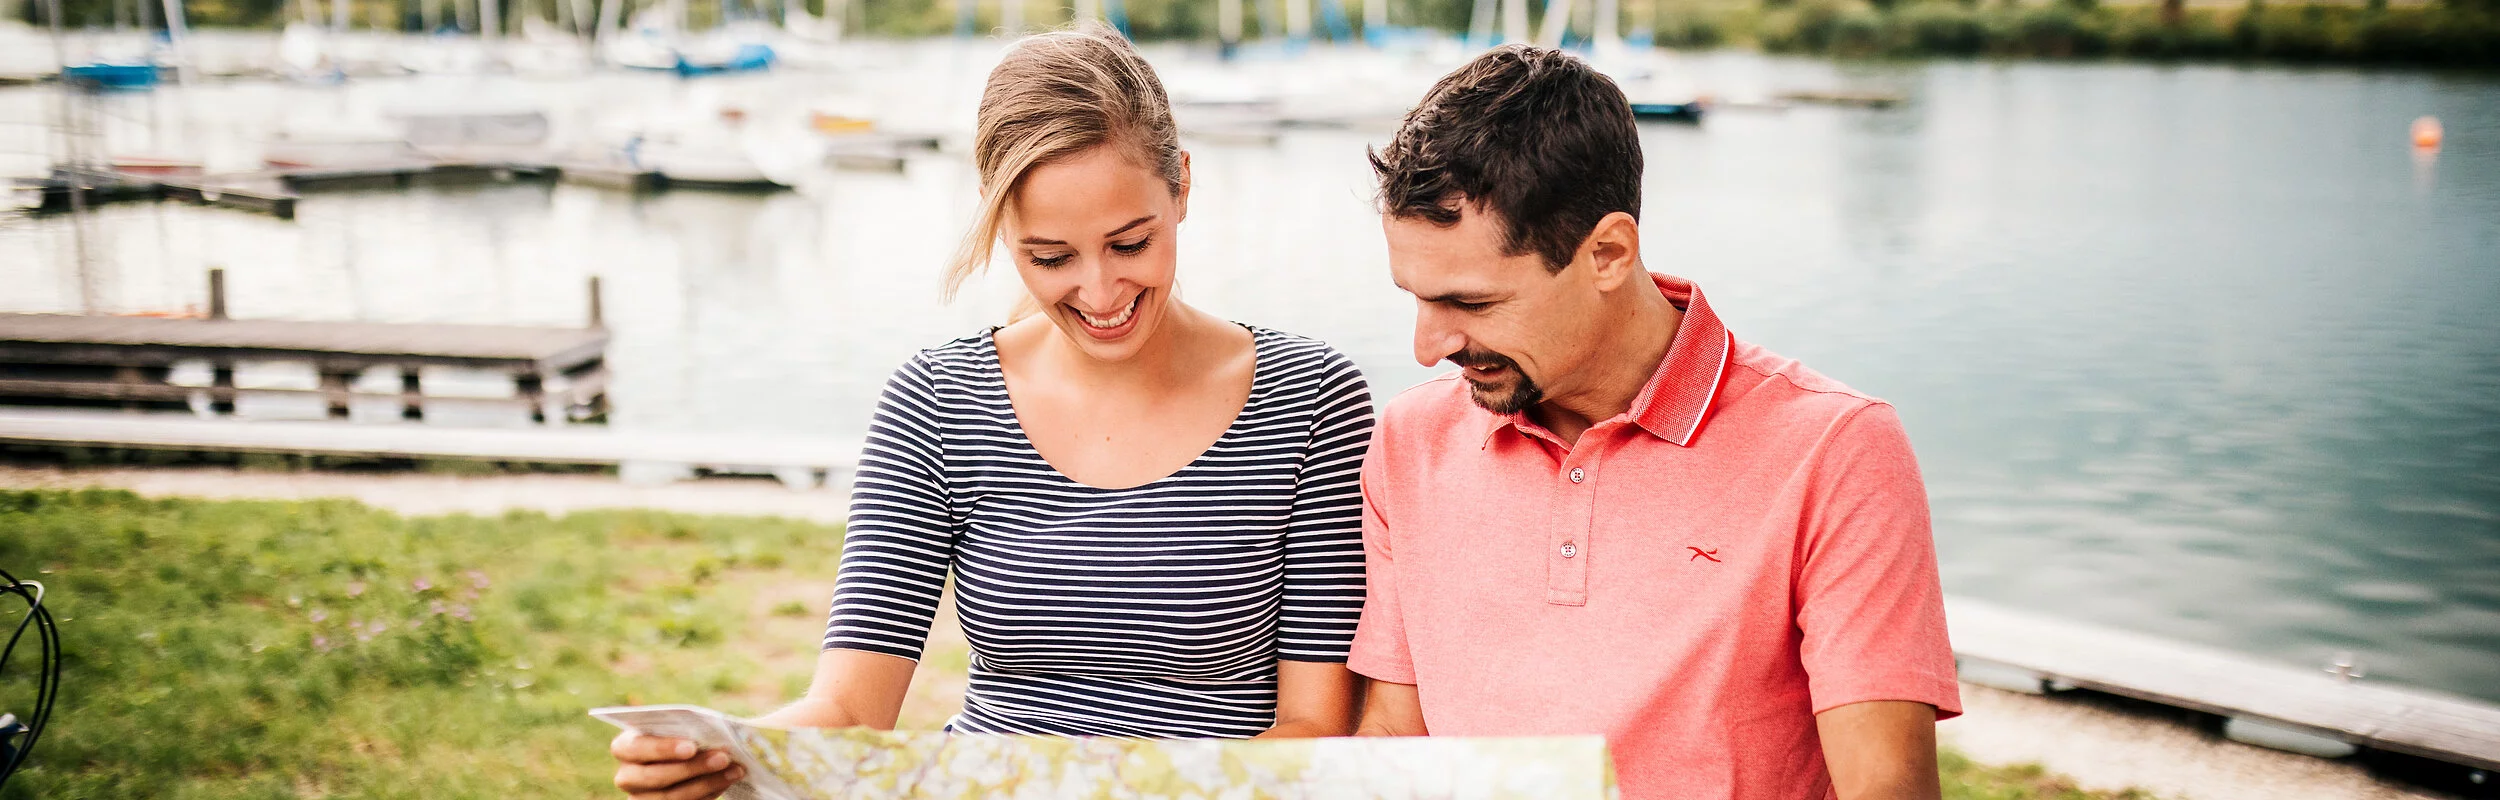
x: 1391, y: 709
x: 1879, y: 750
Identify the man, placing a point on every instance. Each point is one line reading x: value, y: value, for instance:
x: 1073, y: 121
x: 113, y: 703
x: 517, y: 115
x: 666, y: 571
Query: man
x: 1617, y: 518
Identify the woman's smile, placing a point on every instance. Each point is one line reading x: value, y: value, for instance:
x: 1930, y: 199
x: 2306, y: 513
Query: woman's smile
x: 1110, y: 327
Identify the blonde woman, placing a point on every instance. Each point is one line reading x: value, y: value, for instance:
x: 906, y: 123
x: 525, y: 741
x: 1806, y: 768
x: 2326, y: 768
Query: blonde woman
x: 1152, y: 515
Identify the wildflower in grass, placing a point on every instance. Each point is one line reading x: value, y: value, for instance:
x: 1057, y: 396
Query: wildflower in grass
x: 462, y: 612
x: 421, y: 585
x: 477, y: 579
x: 355, y: 588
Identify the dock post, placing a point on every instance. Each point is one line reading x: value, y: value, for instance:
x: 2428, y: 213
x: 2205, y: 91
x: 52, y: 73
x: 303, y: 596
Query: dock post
x: 217, y: 293
x: 221, y: 388
x: 334, y: 390
x: 532, y: 387
x: 598, y: 318
x: 411, y: 394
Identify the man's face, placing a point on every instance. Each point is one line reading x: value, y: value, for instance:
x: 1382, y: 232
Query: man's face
x: 1517, y: 329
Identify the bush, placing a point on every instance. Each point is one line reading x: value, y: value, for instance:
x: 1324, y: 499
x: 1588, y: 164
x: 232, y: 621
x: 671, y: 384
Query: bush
x: 1690, y: 31
x: 1858, y: 32
x: 2057, y: 31
x: 2141, y: 33
x: 1944, y: 29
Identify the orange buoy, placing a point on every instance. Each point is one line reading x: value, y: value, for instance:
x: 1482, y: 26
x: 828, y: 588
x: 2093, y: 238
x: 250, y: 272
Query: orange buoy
x: 2426, y: 133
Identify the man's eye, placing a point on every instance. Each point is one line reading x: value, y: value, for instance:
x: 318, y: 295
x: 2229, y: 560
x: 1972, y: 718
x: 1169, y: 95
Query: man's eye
x: 1471, y: 307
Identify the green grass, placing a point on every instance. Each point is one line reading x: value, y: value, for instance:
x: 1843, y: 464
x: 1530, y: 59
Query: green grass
x: 1965, y: 779
x: 270, y: 649
x: 328, y: 649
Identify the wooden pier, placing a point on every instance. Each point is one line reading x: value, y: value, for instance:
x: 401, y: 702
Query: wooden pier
x: 556, y: 373
x: 799, y: 462
x: 2315, y: 712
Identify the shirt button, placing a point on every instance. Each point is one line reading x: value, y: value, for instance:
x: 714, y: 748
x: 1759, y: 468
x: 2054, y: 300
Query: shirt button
x: 1577, y: 475
x: 1570, y: 549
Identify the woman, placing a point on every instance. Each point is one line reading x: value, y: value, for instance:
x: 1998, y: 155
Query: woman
x: 1152, y: 515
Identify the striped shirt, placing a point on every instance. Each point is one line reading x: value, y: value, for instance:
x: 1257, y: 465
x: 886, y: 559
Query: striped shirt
x: 1155, y: 611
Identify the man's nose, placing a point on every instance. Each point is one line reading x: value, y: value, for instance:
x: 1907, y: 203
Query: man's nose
x: 1434, y: 339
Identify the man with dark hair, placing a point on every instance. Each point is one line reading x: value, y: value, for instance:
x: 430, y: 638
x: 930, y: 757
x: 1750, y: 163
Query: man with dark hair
x: 1616, y: 518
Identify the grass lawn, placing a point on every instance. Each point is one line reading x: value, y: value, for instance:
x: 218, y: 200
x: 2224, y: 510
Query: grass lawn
x: 247, y: 649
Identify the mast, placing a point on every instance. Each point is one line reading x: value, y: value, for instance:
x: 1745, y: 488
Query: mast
x: 76, y: 172
x: 1557, y: 22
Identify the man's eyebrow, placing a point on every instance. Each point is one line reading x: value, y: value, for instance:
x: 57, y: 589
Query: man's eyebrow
x: 1459, y: 297
x: 1132, y: 224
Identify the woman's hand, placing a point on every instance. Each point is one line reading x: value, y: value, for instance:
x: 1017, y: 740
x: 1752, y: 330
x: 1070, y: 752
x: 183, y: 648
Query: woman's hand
x: 661, y: 768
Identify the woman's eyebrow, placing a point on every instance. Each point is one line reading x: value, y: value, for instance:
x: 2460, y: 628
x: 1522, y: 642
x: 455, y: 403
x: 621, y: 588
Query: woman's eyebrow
x: 1132, y: 224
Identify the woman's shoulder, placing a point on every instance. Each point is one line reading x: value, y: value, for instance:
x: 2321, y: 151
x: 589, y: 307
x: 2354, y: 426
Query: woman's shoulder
x: 1293, y: 360
x: 950, y: 364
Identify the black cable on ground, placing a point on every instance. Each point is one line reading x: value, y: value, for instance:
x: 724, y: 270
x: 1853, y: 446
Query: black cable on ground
x: 15, y: 745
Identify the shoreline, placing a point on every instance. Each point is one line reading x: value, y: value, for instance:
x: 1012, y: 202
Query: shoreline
x: 2100, y: 745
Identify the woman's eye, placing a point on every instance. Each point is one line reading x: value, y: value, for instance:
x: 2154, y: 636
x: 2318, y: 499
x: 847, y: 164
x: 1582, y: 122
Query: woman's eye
x: 1051, y: 261
x: 1133, y: 248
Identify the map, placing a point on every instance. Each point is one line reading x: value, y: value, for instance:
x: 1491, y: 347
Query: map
x: 864, y: 764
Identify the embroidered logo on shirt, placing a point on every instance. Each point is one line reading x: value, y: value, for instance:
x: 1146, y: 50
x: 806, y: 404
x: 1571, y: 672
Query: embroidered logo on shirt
x: 1712, y: 554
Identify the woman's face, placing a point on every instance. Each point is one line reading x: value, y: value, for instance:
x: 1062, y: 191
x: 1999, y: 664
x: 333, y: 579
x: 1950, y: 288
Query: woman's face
x: 1092, y: 237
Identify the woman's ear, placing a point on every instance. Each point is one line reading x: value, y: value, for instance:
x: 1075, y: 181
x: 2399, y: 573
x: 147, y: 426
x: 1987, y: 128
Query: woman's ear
x: 1182, y: 196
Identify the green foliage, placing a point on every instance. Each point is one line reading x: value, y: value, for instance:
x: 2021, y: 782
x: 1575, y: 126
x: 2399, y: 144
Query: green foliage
x: 283, y: 649
x: 2437, y: 36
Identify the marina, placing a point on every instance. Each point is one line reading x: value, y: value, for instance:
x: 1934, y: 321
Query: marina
x: 2209, y: 439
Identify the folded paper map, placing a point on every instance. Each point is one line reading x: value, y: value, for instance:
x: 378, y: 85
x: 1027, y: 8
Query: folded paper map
x: 862, y: 764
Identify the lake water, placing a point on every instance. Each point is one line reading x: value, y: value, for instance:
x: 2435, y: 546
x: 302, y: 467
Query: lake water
x: 2201, y: 351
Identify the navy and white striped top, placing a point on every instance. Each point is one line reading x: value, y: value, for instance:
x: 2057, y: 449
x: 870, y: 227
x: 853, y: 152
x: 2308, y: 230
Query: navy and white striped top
x: 1156, y: 611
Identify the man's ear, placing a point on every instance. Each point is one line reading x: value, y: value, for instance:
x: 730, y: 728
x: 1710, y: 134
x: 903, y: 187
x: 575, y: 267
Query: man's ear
x: 1613, y: 251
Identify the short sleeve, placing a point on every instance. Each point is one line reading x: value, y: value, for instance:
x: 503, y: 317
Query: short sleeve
x: 1868, y: 601
x: 1323, y: 594
x: 900, y: 543
x: 1379, y: 649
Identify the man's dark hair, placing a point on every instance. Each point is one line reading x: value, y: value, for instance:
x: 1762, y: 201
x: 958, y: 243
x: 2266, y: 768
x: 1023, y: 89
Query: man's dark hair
x: 1530, y: 134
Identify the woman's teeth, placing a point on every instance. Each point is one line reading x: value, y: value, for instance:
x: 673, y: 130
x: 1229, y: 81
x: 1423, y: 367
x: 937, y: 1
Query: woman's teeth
x: 1115, y: 320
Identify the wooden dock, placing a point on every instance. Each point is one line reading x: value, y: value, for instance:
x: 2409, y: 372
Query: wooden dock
x: 797, y: 461
x: 556, y: 373
x: 2306, y: 711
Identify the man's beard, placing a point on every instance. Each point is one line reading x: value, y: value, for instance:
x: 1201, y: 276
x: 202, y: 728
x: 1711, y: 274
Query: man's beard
x: 1520, y: 393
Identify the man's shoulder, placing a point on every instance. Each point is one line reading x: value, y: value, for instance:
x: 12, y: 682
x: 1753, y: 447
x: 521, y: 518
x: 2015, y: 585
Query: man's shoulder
x: 1431, y: 405
x: 1760, y: 377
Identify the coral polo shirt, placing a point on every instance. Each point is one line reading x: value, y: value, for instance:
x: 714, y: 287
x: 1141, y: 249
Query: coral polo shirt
x: 1744, y: 548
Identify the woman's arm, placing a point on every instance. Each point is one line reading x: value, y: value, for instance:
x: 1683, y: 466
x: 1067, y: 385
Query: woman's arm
x: 1313, y: 699
x: 1323, y: 592
x: 852, y: 688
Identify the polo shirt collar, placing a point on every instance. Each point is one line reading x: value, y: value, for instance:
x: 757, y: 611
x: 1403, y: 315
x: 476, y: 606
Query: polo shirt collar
x: 1681, y: 392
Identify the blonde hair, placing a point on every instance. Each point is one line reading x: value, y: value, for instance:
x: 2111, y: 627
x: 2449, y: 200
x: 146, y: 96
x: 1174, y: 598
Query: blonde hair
x: 1056, y: 95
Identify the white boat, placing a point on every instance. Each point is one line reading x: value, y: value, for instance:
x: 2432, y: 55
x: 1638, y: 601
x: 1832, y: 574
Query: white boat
x: 722, y: 149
